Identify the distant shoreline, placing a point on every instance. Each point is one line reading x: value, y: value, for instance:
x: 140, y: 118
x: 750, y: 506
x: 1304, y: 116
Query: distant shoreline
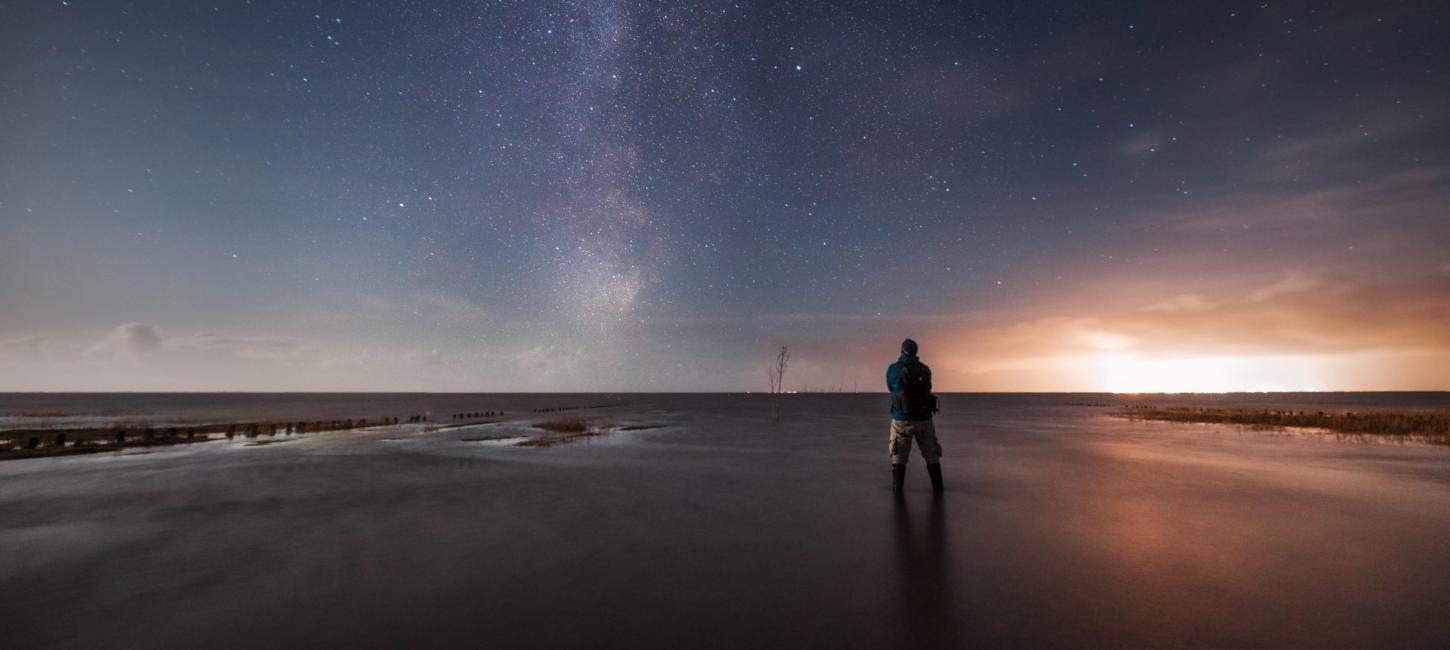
x: 1430, y: 425
x: 43, y: 424
x: 617, y: 392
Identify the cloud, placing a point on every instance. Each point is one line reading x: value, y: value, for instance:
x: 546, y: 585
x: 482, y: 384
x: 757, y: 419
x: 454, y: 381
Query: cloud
x: 269, y: 348
x: 547, y: 361
x: 1357, y: 146
x: 432, y: 309
x: 883, y: 317
x: 1392, y: 330
x: 1181, y: 302
x: 139, y: 357
x: 26, y: 349
x: 131, y: 340
x: 1293, y: 282
x: 1375, y: 202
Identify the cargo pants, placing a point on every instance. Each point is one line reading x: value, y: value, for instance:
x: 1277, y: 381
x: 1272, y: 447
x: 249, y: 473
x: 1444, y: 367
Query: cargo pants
x: 902, y: 433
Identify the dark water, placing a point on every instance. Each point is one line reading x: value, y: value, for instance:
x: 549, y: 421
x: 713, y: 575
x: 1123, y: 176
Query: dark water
x: 728, y: 526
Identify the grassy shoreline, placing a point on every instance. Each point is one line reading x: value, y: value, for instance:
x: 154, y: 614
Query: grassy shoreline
x: 1432, y: 427
x: 43, y: 443
x: 566, y: 430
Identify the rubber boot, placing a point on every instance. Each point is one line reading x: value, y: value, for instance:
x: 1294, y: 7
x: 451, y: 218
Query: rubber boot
x: 898, y: 477
x: 935, y: 472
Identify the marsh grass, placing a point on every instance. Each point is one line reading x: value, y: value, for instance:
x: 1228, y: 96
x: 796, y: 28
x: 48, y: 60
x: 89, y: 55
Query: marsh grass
x: 1432, y: 427
x: 14, y: 443
x: 567, y: 430
x: 565, y: 425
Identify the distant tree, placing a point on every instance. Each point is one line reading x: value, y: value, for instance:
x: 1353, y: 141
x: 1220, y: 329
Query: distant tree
x: 777, y: 372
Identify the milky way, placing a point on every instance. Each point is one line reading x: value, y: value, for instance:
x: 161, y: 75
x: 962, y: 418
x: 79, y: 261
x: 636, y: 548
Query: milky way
x: 646, y: 196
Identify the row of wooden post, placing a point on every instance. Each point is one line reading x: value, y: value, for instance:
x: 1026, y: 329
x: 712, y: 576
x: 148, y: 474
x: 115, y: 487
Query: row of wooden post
x: 250, y: 430
x: 254, y: 429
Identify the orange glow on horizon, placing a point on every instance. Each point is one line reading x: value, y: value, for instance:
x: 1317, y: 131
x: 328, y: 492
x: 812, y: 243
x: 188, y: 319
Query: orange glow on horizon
x: 1226, y: 374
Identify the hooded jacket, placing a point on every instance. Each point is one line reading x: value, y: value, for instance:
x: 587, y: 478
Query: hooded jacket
x: 893, y: 384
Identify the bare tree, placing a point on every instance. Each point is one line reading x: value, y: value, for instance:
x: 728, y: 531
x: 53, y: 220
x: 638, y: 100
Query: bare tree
x: 777, y: 372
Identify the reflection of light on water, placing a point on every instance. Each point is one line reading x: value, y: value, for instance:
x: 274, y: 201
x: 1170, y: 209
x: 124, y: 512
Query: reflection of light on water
x: 1130, y: 374
x: 497, y: 442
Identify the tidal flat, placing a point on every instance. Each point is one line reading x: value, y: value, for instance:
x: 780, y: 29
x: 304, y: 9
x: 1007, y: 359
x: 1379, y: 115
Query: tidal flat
x: 724, y: 521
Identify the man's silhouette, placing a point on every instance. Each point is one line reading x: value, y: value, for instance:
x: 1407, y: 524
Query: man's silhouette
x: 912, y: 406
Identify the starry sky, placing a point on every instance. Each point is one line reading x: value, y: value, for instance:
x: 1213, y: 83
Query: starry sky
x: 637, y: 196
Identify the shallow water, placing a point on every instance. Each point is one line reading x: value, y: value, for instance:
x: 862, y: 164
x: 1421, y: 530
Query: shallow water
x: 726, y: 527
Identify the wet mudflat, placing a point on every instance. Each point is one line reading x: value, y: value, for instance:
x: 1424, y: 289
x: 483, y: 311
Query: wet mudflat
x: 728, y: 527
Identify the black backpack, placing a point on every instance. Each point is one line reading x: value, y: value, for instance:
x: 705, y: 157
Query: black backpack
x: 915, y: 398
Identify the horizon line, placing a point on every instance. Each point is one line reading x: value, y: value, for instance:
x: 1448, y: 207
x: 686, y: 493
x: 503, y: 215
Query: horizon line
x: 721, y: 392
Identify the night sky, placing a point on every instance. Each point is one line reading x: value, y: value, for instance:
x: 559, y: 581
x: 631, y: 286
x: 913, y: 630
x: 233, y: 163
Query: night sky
x: 518, y: 196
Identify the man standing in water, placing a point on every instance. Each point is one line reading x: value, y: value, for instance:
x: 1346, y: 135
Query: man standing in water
x: 912, y: 406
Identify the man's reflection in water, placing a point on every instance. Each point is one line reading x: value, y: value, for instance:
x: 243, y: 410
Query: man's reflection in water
x: 924, y: 574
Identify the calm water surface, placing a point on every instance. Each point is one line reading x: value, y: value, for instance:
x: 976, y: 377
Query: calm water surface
x: 740, y: 521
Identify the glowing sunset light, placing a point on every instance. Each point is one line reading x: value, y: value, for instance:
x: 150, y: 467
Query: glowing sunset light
x: 1129, y: 374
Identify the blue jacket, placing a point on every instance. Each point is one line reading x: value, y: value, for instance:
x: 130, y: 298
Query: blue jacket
x: 893, y: 384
